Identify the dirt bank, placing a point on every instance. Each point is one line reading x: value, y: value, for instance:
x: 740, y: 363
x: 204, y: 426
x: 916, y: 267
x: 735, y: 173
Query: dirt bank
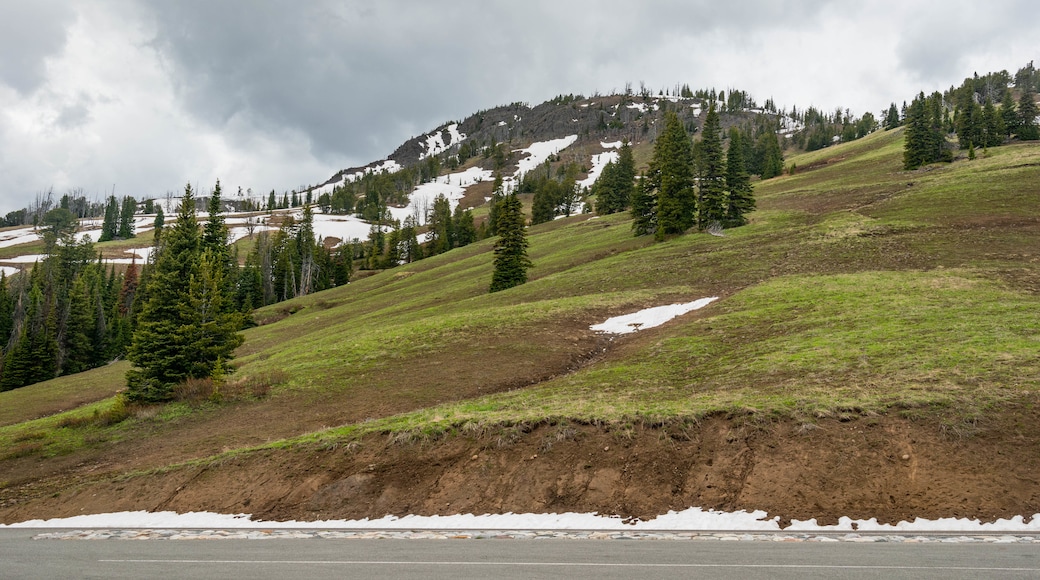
x: 889, y: 467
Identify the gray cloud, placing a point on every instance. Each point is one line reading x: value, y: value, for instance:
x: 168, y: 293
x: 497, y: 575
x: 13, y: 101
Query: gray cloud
x: 29, y: 33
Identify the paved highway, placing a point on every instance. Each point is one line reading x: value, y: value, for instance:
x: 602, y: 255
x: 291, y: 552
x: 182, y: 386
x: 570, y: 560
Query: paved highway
x: 23, y: 557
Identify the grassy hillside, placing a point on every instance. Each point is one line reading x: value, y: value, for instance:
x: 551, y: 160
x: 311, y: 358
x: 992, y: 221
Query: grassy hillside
x: 858, y: 289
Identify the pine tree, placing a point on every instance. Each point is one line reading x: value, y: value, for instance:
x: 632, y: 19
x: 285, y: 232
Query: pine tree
x: 182, y: 331
x: 993, y: 126
x: 1009, y: 114
x: 110, y: 225
x: 712, y: 202
x: 126, y: 218
x: 924, y: 138
x: 1027, y: 112
x: 441, y: 229
x: 892, y: 118
x: 511, y: 262
x: 465, y: 231
x: 497, y: 195
x: 160, y: 221
x: 546, y: 198
x: 738, y: 182
x: 644, y: 208
x: 614, y: 188
x: 772, y: 156
x: 670, y: 176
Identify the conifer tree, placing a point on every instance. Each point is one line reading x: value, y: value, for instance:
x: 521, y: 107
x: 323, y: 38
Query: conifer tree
x: 440, y: 226
x: 160, y: 221
x: 497, y: 195
x: 670, y: 177
x: 1027, y: 112
x: 925, y: 141
x: 772, y: 156
x: 184, y: 328
x: 546, y: 198
x: 126, y: 218
x: 741, y: 200
x: 110, y: 225
x: 892, y: 118
x: 465, y: 231
x: 511, y: 261
x: 712, y: 203
x: 614, y: 188
x: 993, y: 126
x: 644, y: 208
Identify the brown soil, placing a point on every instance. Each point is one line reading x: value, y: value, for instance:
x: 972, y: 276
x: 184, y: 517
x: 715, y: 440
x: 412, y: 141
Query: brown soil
x: 888, y: 467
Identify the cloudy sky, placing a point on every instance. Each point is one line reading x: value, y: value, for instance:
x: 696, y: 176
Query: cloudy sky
x: 144, y: 96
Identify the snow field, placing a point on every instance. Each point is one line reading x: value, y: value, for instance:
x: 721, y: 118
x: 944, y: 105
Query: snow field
x: 599, y: 161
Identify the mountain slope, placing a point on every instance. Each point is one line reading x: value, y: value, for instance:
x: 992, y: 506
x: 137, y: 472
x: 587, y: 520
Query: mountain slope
x: 873, y: 353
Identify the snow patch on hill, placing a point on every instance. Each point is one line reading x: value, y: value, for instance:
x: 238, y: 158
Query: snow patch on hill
x: 538, y: 152
x: 452, y: 186
x: 599, y: 161
x: 435, y: 144
x: 649, y: 317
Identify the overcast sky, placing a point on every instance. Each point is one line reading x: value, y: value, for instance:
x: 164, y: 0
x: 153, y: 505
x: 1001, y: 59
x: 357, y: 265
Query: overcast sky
x: 146, y: 96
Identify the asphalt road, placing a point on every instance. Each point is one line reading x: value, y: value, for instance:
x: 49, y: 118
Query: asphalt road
x: 284, y: 559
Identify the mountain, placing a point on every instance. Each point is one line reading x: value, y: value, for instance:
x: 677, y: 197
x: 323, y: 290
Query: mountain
x: 872, y: 352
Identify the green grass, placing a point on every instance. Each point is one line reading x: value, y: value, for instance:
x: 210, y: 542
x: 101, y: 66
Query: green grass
x: 856, y: 288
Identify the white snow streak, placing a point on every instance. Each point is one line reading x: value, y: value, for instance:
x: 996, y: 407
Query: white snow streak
x: 649, y: 317
x: 692, y: 519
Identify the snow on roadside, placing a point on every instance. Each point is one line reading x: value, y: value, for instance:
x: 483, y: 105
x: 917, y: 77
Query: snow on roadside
x: 649, y: 317
x: 692, y: 519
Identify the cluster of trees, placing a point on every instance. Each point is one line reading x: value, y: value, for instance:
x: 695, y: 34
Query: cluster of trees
x: 119, y: 219
x: 982, y: 112
x: 614, y: 188
x: 554, y: 195
x: 445, y: 230
x: 821, y: 129
x: 188, y: 326
x: 289, y: 263
x: 70, y: 313
x: 687, y: 185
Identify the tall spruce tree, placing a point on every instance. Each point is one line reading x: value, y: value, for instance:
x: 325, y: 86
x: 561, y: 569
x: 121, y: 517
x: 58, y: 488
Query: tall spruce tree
x: 511, y: 261
x: 1027, y: 113
x: 670, y: 177
x: 924, y: 139
x: 614, y: 188
x: 110, y: 225
x: 712, y: 202
x: 126, y: 218
x: 741, y: 199
x: 183, y: 330
x: 1009, y: 114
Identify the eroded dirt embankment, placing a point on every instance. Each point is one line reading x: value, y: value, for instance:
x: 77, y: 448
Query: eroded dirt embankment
x: 887, y: 467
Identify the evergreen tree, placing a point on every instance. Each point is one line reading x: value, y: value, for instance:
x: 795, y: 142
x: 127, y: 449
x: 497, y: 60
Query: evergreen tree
x: 6, y: 313
x: 772, y: 156
x: 511, y: 262
x: 644, y: 208
x: 712, y: 202
x: 465, y: 231
x: 1009, y: 114
x: 182, y: 332
x: 497, y: 195
x: 160, y: 221
x: 110, y: 225
x: 271, y: 203
x: 741, y: 200
x: 925, y: 141
x: 126, y: 218
x: 614, y: 188
x: 670, y: 176
x: 892, y: 118
x: 1027, y: 112
x: 546, y: 199
x: 993, y: 125
x: 441, y: 228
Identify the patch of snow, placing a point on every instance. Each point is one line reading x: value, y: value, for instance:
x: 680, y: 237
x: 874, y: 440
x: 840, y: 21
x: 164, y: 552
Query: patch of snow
x: 18, y: 237
x: 501, y: 123
x: 435, y: 144
x: 599, y: 161
x: 692, y: 519
x: 452, y: 186
x: 586, y: 105
x: 388, y: 165
x: 10, y: 270
x: 649, y: 317
x: 26, y: 259
x: 641, y: 107
x: 614, y: 145
x: 538, y: 152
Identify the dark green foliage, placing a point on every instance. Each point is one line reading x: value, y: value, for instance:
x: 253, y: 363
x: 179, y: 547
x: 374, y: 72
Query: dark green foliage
x: 614, y: 188
x: 712, y: 202
x: 441, y: 227
x: 993, y: 126
x: 511, y: 262
x: 892, y: 118
x: 670, y: 177
x: 644, y: 208
x: 1027, y: 113
x: 768, y: 148
x: 546, y: 199
x: 110, y: 225
x: 741, y: 200
x: 497, y: 195
x: 187, y: 326
x: 126, y: 218
x: 1009, y: 114
x: 925, y: 141
x: 465, y: 231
